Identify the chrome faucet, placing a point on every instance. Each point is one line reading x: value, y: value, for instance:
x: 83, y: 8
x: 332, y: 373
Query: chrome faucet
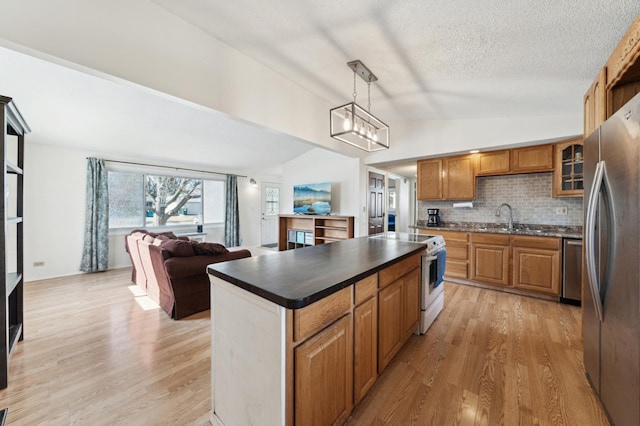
x: 510, y: 214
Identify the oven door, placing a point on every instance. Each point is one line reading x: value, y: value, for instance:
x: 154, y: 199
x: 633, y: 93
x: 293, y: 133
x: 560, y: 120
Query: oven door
x: 429, y: 275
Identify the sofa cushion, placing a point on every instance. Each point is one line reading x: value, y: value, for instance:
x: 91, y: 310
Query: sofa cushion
x: 210, y: 249
x: 178, y: 248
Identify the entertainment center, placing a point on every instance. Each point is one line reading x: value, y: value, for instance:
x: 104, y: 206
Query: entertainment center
x: 297, y: 231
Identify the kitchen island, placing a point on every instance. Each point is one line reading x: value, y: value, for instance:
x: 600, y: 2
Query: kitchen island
x: 299, y: 337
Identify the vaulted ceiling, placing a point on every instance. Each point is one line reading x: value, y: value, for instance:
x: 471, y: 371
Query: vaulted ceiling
x: 450, y: 60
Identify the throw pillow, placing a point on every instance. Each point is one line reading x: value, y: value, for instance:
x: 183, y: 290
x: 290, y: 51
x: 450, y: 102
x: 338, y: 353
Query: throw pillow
x: 178, y: 248
x: 208, y: 249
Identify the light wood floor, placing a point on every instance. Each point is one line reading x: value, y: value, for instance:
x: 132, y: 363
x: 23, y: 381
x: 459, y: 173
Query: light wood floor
x: 93, y: 356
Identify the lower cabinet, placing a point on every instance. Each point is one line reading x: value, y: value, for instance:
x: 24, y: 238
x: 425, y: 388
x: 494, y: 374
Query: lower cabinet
x: 365, y: 347
x: 537, y: 264
x: 322, y: 398
x: 398, y: 315
x: 529, y: 263
x: 457, y: 252
x: 490, y: 258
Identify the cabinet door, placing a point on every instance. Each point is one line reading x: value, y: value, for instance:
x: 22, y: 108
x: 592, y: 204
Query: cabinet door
x: 537, y: 270
x: 324, y: 376
x: 493, y: 163
x: 365, y: 347
x: 390, y: 325
x: 568, y: 176
x: 430, y: 179
x: 411, y: 305
x: 490, y: 263
x: 531, y: 159
x: 459, y: 182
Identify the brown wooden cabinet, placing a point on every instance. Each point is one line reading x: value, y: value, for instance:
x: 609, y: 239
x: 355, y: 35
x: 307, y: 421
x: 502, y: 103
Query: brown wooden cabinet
x: 532, y: 159
x: 493, y: 163
x: 568, y: 176
x: 365, y: 336
x: 322, y: 398
x: 448, y: 178
x: 430, y: 179
x: 296, y: 231
x: 411, y: 298
x: 595, y: 104
x: 398, y: 307
x: 390, y: 330
x: 617, y: 82
x: 536, y: 264
x: 457, y: 252
x: 459, y: 179
x: 490, y: 258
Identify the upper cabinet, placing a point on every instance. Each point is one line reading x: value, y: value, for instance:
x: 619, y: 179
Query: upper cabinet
x: 532, y: 159
x: 617, y: 82
x: 459, y: 180
x: 568, y: 177
x: 449, y: 178
x: 493, y: 163
x: 430, y: 179
x: 595, y: 104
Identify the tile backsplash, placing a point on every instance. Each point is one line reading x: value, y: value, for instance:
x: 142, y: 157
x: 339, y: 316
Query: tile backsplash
x: 529, y: 195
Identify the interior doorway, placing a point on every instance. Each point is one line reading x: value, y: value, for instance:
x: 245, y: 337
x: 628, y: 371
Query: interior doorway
x: 376, y: 203
x: 270, y: 201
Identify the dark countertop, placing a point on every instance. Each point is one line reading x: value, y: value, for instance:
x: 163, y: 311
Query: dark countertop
x: 297, y: 278
x: 518, y: 229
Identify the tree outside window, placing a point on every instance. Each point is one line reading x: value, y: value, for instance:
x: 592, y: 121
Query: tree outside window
x: 139, y: 200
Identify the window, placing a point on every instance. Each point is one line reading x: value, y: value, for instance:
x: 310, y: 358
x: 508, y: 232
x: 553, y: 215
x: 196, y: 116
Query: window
x: 145, y: 200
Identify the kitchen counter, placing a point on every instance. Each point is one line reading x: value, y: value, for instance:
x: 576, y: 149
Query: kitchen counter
x: 296, y: 278
x: 518, y: 229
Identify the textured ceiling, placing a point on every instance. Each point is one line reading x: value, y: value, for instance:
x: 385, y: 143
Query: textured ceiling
x: 434, y: 60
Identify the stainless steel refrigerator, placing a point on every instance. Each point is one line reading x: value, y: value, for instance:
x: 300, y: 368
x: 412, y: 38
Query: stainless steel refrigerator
x: 612, y: 260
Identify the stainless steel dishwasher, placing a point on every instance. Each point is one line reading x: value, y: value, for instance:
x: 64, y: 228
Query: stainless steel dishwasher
x: 571, y: 271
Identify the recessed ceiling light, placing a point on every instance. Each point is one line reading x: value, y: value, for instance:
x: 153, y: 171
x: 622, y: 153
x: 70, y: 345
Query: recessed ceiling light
x: 474, y: 151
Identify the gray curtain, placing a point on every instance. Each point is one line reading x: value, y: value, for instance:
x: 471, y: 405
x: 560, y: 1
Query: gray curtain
x: 95, y: 253
x: 231, y: 216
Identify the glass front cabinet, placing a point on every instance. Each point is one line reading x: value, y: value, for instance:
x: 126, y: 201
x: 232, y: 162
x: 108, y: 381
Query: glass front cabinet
x: 568, y: 179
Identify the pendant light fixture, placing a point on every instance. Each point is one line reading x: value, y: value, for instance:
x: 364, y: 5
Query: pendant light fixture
x: 353, y: 124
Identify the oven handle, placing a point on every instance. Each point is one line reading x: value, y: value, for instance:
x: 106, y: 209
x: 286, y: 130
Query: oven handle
x: 431, y: 258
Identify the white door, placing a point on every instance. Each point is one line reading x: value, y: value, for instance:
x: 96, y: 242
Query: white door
x: 270, y: 211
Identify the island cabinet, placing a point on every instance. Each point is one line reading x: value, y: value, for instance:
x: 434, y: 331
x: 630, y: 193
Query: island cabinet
x: 490, y: 258
x: 399, y: 309
x: 365, y: 336
x: 306, y: 353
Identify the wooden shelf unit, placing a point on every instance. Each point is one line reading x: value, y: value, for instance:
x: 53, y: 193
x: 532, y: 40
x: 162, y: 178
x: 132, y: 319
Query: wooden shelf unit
x: 297, y: 231
x: 14, y: 129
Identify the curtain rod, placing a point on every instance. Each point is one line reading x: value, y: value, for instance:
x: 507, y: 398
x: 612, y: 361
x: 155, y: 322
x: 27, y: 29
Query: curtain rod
x: 174, y: 168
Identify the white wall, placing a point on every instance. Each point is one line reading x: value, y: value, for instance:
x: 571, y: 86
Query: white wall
x: 54, y: 213
x: 429, y: 138
x: 160, y: 51
x: 320, y: 165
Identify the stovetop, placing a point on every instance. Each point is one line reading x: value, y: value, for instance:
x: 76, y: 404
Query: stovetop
x: 433, y: 242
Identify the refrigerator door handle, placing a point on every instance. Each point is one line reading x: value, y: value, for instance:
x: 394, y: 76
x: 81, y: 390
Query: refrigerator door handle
x: 590, y: 227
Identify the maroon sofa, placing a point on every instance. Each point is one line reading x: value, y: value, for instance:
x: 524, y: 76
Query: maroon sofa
x: 180, y: 269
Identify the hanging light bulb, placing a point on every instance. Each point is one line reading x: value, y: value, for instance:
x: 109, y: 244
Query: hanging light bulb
x: 355, y: 125
x: 369, y: 132
x: 362, y: 128
x: 375, y: 135
x: 347, y: 123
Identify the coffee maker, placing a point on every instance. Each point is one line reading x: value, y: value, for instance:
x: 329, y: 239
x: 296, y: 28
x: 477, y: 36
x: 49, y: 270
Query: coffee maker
x: 434, y: 217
